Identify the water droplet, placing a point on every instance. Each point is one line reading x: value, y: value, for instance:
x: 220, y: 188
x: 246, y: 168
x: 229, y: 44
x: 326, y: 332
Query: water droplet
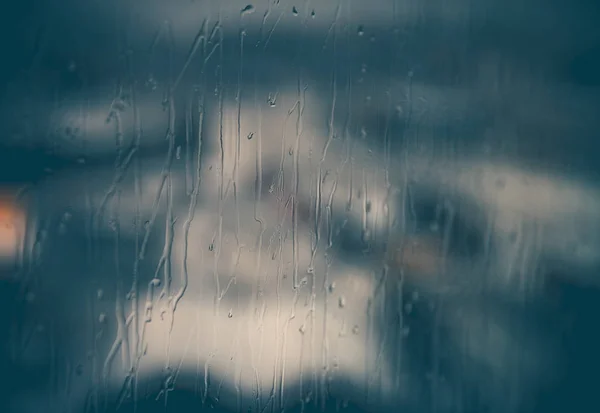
x: 302, y: 329
x: 249, y: 9
x: 361, y: 30
x: 178, y: 152
x: 342, y: 302
x: 331, y: 287
x: 100, y: 294
x: 363, y: 68
x: 151, y: 83
x: 291, y: 151
x: 250, y: 135
x: 368, y: 207
x: 294, y: 11
x: 310, y: 270
x: 155, y: 282
x: 230, y: 314
x: 272, y: 100
x: 211, y: 247
x: 366, y: 235
x: 355, y: 330
x: 102, y: 318
x: 146, y: 225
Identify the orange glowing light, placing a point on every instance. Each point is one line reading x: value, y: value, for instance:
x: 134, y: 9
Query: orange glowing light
x: 12, y: 225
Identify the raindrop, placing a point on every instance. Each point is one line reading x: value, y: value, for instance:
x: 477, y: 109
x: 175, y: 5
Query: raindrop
x: 119, y: 105
x: 155, y: 282
x: 291, y: 151
x: 178, y: 153
x: 272, y: 100
x: 211, y: 247
x: 230, y: 314
x: 355, y: 329
x: 310, y: 270
x: 146, y: 225
x: 361, y: 30
x: 250, y: 135
x: 366, y: 235
x: 363, y: 68
x: 313, y: 14
x: 342, y: 302
x: 331, y: 287
x: 368, y: 207
x: 102, y: 318
x: 302, y: 329
x: 294, y: 11
x: 249, y: 9
x: 151, y: 83
x: 100, y: 294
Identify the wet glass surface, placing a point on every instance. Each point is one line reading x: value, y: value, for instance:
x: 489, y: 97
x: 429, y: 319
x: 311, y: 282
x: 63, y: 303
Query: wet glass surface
x: 299, y: 206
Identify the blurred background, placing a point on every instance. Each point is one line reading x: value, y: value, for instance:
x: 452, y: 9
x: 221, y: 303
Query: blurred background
x: 345, y: 205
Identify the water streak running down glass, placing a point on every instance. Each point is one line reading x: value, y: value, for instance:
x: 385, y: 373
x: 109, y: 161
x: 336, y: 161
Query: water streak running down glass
x: 300, y: 206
